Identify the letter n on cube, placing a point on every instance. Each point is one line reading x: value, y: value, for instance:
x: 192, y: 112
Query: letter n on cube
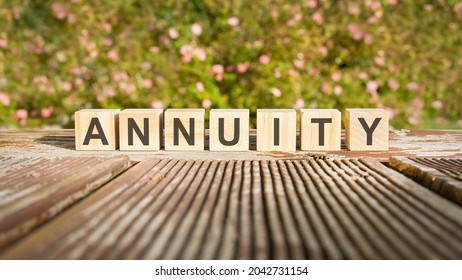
x: 366, y: 129
x: 96, y: 129
x: 140, y: 129
x: 229, y: 130
x: 184, y: 129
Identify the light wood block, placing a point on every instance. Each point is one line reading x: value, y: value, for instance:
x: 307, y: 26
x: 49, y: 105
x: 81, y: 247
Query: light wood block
x: 140, y: 129
x: 229, y: 130
x: 184, y: 129
x: 320, y: 129
x: 97, y: 129
x: 366, y: 129
x: 276, y: 130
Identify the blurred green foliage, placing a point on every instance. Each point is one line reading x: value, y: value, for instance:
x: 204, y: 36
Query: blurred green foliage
x: 401, y: 55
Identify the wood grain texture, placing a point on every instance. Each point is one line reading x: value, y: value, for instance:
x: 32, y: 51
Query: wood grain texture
x: 443, y: 176
x: 107, y: 122
x: 409, y: 143
x: 34, y: 190
x: 259, y: 209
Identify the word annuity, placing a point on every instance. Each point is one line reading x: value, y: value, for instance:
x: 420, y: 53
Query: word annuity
x: 183, y: 129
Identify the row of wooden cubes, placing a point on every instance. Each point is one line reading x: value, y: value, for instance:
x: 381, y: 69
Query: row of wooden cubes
x: 183, y: 129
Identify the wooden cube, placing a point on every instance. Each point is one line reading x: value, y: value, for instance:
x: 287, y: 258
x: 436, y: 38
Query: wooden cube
x: 140, y: 129
x: 276, y: 130
x: 366, y: 129
x: 320, y: 129
x: 229, y: 130
x: 184, y: 129
x: 97, y: 129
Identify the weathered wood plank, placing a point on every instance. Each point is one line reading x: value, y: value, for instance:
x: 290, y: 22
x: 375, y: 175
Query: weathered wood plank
x: 443, y: 176
x: 409, y: 143
x: 320, y: 209
x: 33, y: 191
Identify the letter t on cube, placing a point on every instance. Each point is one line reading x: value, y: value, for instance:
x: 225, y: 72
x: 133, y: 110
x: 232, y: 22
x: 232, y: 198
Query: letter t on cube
x: 366, y: 129
x: 320, y: 129
x: 229, y: 130
x: 276, y: 130
x: 184, y: 129
x: 97, y: 129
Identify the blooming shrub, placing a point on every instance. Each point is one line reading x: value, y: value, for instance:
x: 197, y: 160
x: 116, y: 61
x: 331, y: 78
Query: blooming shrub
x: 401, y: 55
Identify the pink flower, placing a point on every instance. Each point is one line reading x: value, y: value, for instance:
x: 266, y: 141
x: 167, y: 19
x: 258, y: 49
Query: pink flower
x: 417, y: 103
x: 146, y: 65
x: 393, y: 85
x: 200, y: 86
x: 206, y: 103
x: 172, y: 33
x: 354, y: 10
x: 147, y: 83
x: 113, y: 55
x: 46, y: 112
x: 325, y: 88
x: 338, y: 90
x: 393, y: 2
x: 242, y: 67
x: 3, y: 43
x: 372, y: 87
x: 298, y: 63
x: 59, y: 10
x: 312, y: 71
x: 413, y: 121
x: 233, y: 21
x: 291, y: 72
x: 336, y: 76
x: 196, y: 29
x: 219, y: 77
x: 363, y: 75
x: 413, y: 86
x: 368, y: 39
x: 217, y: 69
x: 157, y: 104
x: 67, y: 86
x: 323, y: 50
x: 154, y: 49
x: 312, y: 4
x: 317, y: 18
x: 379, y: 60
x: 276, y: 92
x: 200, y: 53
x: 299, y: 103
x: 264, y: 59
x: 277, y: 73
x: 21, y: 114
x: 437, y: 104
x: 4, y: 98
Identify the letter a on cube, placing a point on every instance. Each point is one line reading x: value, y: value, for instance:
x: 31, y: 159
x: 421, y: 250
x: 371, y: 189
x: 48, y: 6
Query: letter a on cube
x: 366, y: 129
x: 184, y: 129
x: 320, y: 129
x: 97, y: 129
x: 140, y: 129
x: 229, y: 130
x: 276, y: 130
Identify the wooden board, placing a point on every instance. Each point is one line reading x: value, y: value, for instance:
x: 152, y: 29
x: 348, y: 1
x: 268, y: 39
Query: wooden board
x: 253, y: 209
x: 410, y: 143
x: 34, y: 190
x: 442, y: 175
